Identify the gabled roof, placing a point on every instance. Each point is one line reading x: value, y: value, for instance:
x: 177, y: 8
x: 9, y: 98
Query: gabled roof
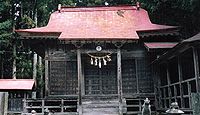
x: 102, y: 23
x: 16, y: 84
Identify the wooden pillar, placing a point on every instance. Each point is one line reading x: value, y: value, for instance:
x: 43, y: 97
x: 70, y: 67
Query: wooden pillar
x: 41, y: 74
x: 180, y: 80
x: 46, y: 74
x: 137, y: 76
x: 168, y: 84
x: 79, y: 81
x: 5, y: 103
x: 119, y: 80
x: 196, y: 68
x: 14, y: 62
x: 35, y: 68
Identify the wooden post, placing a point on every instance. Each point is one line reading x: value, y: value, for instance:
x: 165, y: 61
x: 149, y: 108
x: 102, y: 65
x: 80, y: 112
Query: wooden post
x: 5, y: 103
x: 1, y: 103
x: 180, y: 80
x: 35, y: 68
x: 196, y: 69
x: 79, y: 81
x: 136, y: 73
x: 62, y: 106
x: 14, y: 62
x: 46, y: 74
x: 43, y: 106
x: 41, y: 74
x: 119, y: 80
x: 168, y: 83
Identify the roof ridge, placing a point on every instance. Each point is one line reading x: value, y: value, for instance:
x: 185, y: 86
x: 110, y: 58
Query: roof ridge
x: 97, y: 8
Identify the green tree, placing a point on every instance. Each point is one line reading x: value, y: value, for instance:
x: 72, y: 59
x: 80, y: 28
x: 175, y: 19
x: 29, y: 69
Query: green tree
x: 5, y: 38
x: 183, y: 13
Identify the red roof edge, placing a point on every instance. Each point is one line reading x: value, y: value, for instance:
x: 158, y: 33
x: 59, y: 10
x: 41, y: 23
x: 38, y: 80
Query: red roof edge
x: 160, y: 45
x: 16, y: 84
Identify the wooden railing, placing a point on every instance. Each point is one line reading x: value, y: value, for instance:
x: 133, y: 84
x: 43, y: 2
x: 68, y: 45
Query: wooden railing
x: 15, y: 105
x: 57, y: 106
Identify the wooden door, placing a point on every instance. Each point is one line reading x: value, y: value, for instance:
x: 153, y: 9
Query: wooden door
x: 100, y: 81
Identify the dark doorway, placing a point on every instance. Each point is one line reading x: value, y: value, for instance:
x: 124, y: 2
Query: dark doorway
x: 100, y: 81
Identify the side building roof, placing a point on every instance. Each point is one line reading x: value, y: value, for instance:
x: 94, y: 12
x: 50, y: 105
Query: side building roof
x: 179, y: 48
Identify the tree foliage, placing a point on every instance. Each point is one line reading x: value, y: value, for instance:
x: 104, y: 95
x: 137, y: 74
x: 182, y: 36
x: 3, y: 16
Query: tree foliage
x: 183, y: 13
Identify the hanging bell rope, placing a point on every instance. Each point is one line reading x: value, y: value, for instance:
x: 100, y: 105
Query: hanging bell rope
x: 98, y: 60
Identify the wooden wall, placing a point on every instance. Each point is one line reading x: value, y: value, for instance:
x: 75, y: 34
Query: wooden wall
x: 62, y: 69
x: 179, y: 77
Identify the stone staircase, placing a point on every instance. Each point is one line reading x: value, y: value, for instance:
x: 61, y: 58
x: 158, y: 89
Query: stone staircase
x: 100, y: 106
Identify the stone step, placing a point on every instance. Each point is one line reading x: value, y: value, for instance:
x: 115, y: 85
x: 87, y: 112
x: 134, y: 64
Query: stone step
x: 94, y: 98
x: 100, y: 111
x: 101, y: 102
x: 100, y: 105
x: 110, y: 107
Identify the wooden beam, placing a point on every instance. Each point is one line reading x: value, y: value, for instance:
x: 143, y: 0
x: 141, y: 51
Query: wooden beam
x: 79, y: 81
x: 119, y: 80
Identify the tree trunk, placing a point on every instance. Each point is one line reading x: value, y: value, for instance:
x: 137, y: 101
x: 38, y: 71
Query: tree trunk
x: 14, y: 62
x: 2, y: 68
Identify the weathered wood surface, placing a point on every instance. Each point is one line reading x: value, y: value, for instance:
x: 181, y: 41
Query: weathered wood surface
x: 3, y: 103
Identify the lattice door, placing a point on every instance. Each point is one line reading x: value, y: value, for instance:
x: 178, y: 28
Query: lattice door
x: 100, y: 80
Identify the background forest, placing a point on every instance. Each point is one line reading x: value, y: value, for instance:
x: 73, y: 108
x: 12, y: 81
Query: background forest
x: 16, y: 14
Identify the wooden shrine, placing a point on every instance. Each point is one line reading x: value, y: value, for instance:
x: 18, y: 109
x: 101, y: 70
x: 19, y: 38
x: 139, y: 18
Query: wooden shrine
x: 98, y: 59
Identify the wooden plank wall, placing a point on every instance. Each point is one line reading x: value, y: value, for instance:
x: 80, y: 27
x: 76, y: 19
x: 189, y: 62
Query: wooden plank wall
x: 179, y: 87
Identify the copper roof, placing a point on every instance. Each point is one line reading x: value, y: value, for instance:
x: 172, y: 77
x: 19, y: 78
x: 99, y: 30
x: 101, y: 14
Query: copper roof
x: 102, y: 23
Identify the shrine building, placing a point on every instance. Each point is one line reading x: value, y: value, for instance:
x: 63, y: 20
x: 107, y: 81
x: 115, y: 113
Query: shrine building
x: 104, y: 60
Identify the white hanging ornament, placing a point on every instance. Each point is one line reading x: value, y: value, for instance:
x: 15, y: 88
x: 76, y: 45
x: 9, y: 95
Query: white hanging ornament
x: 99, y: 62
x: 95, y: 61
x: 91, y: 61
x: 104, y: 61
x: 108, y: 58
